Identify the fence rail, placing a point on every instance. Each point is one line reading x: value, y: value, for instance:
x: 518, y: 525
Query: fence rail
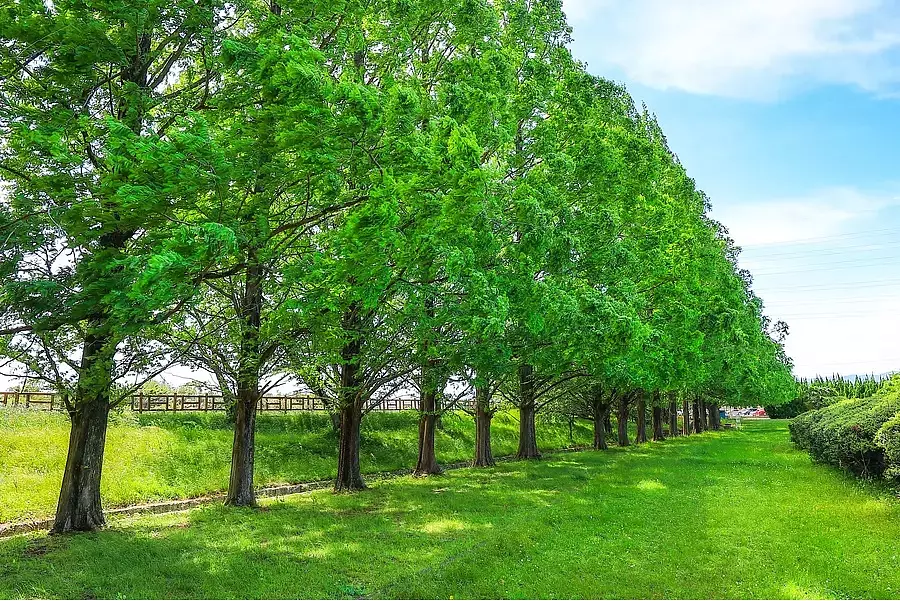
x: 142, y: 403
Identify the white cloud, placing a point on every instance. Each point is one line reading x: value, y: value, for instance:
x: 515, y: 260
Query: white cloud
x: 781, y: 221
x: 741, y: 48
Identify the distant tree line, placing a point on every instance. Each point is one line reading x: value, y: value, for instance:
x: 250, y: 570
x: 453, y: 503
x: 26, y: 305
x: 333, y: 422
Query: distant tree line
x: 360, y: 197
x: 821, y: 391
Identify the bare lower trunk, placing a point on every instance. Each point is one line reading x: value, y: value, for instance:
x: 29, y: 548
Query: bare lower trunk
x: 685, y: 417
x: 484, y: 457
x: 349, y: 476
x: 601, y: 414
x: 673, y: 417
x: 350, y: 401
x: 240, y: 485
x: 527, y: 434
x: 714, y: 420
x: 658, y: 424
x: 704, y: 415
x: 79, y: 508
x: 427, y: 463
x: 622, y: 421
x: 698, y: 425
x: 528, y: 448
x: 641, y: 436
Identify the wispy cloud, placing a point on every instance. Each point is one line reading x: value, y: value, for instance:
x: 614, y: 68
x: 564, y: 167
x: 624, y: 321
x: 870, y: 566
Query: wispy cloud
x: 742, y: 48
x: 825, y: 213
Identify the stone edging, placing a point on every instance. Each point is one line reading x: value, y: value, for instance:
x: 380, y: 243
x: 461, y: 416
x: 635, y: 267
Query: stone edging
x: 162, y: 507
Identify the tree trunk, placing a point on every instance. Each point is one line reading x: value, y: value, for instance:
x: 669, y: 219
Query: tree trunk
x: 601, y: 414
x: 427, y: 463
x: 641, y: 436
x: 483, y: 415
x: 350, y: 402
x: 622, y: 421
x: 698, y: 426
x: 704, y: 415
x: 240, y: 484
x: 79, y: 508
x: 673, y: 416
x: 685, y: 417
x: 714, y: 421
x: 608, y: 421
x: 658, y: 424
x: 349, y: 476
x: 527, y: 435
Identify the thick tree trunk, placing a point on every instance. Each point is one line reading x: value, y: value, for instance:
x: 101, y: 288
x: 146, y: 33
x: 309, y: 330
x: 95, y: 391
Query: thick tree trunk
x: 673, y: 416
x: 686, y: 417
x: 240, y: 485
x: 601, y: 415
x: 641, y: 436
x: 527, y: 435
x: 704, y: 415
x: 350, y: 402
x: 714, y: 421
x: 483, y: 415
x: 349, y: 476
x: 79, y: 508
x: 429, y: 414
x: 698, y: 426
x: 658, y: 424
x: 427, y: 463
x: 622, y: 421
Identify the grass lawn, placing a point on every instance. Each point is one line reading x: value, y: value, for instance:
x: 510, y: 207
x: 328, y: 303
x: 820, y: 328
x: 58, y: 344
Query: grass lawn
x: 738, y: 514
x: 153, y: 457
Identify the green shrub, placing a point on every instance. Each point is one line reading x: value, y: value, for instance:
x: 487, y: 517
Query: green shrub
x: 854, y: 434
x: 787, y: 410
x: 888, y: 437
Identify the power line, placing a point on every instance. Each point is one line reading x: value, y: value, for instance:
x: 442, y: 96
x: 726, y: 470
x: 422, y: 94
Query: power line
x: 848, y: 264
x: 823, y: 302
x: 827, y: 287
x: 824, y: 238
x: 825, y: 251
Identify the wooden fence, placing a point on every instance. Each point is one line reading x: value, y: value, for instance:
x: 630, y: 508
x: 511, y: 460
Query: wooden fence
x: 141, y: 402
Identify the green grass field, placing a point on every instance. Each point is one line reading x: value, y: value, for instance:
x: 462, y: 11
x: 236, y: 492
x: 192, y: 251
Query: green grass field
x: 153, y: 457
x: 738, y: 514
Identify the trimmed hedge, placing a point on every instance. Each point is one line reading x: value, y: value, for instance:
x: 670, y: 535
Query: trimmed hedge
x: 859, y: 435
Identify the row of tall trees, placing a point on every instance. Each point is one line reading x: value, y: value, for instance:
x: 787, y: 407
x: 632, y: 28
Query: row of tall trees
x: 360, y: 197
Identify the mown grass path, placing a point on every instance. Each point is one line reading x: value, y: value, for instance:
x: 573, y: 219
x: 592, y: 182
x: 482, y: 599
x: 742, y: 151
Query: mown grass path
x: 722, y: 515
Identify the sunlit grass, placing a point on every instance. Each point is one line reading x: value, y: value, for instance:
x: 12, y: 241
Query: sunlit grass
x: 739, y: 514
x: 154, y: 457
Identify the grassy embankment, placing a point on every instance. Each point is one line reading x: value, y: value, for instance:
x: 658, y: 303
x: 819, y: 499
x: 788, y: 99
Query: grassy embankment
x: 153, y: 457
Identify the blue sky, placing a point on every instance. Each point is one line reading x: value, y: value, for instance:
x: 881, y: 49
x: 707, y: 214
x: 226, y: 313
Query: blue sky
x: 787, y: 113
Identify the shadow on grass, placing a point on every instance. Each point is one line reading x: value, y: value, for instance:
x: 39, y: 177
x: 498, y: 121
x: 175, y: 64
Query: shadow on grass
x: 741, y: 521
